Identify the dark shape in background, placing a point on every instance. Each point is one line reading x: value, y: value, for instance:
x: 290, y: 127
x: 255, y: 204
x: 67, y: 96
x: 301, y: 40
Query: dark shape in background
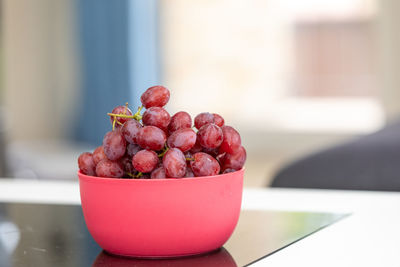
x: 368, y: 163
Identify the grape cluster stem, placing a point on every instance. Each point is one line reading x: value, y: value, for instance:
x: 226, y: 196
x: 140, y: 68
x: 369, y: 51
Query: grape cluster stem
x: 137, y: 116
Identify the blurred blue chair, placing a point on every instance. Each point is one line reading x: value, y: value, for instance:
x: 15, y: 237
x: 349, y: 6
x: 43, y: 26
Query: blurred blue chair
x: 118, y: 43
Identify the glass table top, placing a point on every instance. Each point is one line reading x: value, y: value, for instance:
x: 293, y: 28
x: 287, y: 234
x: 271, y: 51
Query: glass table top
x: 56, y: 235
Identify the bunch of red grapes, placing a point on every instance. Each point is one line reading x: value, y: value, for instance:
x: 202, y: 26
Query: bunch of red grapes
x: 156, y: 146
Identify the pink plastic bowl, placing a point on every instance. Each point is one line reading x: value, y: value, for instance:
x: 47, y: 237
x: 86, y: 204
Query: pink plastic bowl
x: 161, y: 217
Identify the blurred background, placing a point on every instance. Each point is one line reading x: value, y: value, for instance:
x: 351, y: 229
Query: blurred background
x: 293, y: 77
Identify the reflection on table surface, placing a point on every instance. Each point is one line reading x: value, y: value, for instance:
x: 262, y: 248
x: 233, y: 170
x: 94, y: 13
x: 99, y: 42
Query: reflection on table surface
x: 219, y: 258
x: 56, y: 235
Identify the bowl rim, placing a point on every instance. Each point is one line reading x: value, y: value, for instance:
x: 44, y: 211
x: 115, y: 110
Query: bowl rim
x: 90, y: 178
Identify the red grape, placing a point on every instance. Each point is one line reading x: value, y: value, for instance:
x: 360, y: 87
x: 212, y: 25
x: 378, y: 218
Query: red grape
x: 156, y: 116
x: 156, y: 96
x: 158, y: 173
x: 114, y: 145
x: 204, y: 165
x: 234, y: 161
x: 151, y: 137
x: 130, y: 131
x: 132, y: 149
x: 180, y: 120
x: 228, y: 171
x: 184, y: 139
x: 219, y: 157
x: 189, y: 172
x: 98, y: 155
x: 211, y: 151
x: 218, y: 120
x: 231, y: 141
x: 210, y: 136
x: 145, y: 176
x: 126, y: 162
x: 121, y: 110
x: 86, y: 163
x: 197, y: 147
x: 174, y: 163
x: 203, y: 119
x: 145, y: 160
x: 109, y: 168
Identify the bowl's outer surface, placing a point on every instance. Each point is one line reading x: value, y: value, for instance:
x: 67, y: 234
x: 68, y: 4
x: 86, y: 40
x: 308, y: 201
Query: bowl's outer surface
x: 163, y: 217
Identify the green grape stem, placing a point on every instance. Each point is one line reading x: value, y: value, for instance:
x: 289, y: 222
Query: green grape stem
x: 121, y: 115
x: 164, y: 151
x: 130, y: 175
x: 113, y: 125
x: 137, y: 116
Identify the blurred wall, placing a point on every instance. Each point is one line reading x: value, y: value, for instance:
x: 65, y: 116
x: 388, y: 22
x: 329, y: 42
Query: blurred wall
x: 389, y: 41
x: 217, y: 54
x: 40, y: 67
